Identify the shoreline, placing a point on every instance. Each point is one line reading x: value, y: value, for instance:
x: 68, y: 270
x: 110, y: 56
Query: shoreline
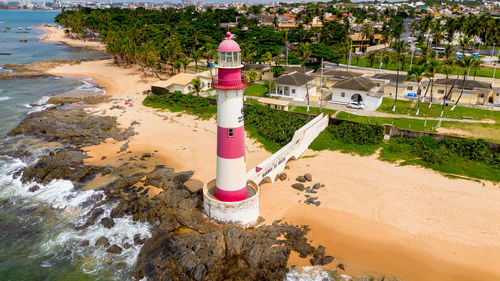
x: 57, y: 36
x: 400, y: 227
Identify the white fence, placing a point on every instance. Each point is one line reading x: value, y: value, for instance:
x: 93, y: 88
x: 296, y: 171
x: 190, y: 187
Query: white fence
x: 270, y: 168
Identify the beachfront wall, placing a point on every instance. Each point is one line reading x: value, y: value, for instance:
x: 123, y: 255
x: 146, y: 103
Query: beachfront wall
x: 269, y: 169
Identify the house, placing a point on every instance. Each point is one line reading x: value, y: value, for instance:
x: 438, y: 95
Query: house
x: 357, y: 89
x: 295, y: 85
x: 287, y: 69
x: 496, y: 96
x: 332, y: 76
x: 263, y: 70
x: 475, y: 92
x: 183, y: 82
x: 387, y: 83
x: 360, y: 43
x: 274, y: 103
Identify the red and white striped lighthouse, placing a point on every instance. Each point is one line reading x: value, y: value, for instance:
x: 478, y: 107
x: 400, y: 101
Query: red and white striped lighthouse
x: 231, y: 180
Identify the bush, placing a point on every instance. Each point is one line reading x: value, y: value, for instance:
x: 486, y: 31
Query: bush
x: 358, y: 133
x: 274, y: 125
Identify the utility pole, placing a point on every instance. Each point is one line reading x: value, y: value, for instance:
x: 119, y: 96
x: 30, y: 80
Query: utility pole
x: 412, y: 51
x: 380, y: 64
x: 350, y: 51
x: 321, y: 88
x: 494, y: 65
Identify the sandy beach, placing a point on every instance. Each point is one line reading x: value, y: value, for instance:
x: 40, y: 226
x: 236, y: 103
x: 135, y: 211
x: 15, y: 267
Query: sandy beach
x: 57, y: 35
x: 374, y: 216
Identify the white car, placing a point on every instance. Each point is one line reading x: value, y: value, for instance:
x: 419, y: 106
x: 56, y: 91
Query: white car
x: 355, y: 105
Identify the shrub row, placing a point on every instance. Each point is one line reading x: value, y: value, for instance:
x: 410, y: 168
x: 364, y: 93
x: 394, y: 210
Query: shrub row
x: 274, y: 125
x: 177, y: 99
x: 357, y: 133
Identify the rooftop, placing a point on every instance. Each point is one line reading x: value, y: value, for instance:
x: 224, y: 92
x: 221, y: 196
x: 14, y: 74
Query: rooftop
x: 355, y: 83
x: 469, y: 84
x: 295, y: 79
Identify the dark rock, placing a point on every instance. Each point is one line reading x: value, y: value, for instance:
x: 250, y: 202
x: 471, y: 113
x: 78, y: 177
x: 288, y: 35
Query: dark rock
x: 127, y: 245
x: 301, y: 179
x: 121, y: 266
x: 317, y: 186
x: 282, y: 176
x: 298, y: 186
x: 326, y: 260
x: 124, y: 147
x: 182, y: 177
x: 91, y: 217
x: 114, y: 249
x: 134, y: 123
x: 102, y: 242
x: 138, y: 240
x: 161, y: 177
x: 74, y: 126
x: 308, y: 177
x: 106, y: 171
x: 84, y: 243
x: 341, y: 266
x: 65, y: 164
x: 34, y: 188
x: 309, y: 190
x: 108, y: 222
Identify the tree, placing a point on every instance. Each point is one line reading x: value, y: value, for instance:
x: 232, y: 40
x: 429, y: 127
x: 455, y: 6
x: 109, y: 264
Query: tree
x: 196, y: 85
x: 465, y: 63
x: 476, y: 66
x: 417, y: 74
x: 304, y: 52
x: 386, y: 59
x: 185, y: 62
x: 196, y: 56
x: 446, y: 70
x: 464, y: 43
x: 399, y: 48
x: 367, y: 32
x: 371, y: 56
x: 431, y: 68
x: 252, y: 76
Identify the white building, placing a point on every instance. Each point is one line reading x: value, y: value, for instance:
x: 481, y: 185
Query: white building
x: 294, y: 86
x: 183, y: 82
x: 357, y: 89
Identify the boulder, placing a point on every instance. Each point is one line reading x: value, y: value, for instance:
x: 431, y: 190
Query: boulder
x: 298, y: 186
x: 84, y: 243
x: 108, y: 222
x: 102, y: 242
x: 308, y: 177
x: 317, y: 186
x: 114, y: 249
x: 301, y: 179
x: 282, y: 176
x: 90, y: 218
x: 34, y: 188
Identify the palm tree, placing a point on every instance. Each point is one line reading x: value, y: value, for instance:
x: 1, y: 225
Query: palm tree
x: 177, y: 66
x: 196, y: 56
x: 417, y: 74
x: 304, y: 52
x: 476, y: 66
x: 367, y: 32
x: 446, y: 70
x: 431, y: 68
x: 464, y: 43
x: 371, y: 56
x: 196, y: 85
x: 386, y: 59
x: 465, y: 63
x: 185, y: 62
x: 252, y: 76
x: 448, y: 51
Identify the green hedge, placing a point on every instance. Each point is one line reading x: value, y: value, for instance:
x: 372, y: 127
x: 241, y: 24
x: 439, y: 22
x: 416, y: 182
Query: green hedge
x: 178, y: 102
x: 274, y: 125
x: 357, y: 133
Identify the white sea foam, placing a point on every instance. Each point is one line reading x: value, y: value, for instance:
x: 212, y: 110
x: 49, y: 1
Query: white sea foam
x: 4, y: 98
x: 61, y: 196
x: 90, y: 85
x: 313, y: 273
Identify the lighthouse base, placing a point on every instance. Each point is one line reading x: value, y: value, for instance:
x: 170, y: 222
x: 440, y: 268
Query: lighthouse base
x: 243, y: 212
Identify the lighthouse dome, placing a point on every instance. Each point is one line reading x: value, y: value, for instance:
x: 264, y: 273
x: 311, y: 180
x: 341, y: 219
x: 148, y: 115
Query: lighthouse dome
x: 229, y: 45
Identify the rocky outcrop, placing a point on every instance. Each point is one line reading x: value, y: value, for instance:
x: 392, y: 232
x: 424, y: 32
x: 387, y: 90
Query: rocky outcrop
x: 65, y: 164
x: 74, y: 126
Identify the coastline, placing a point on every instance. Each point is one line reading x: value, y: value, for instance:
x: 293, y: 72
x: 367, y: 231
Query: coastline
x: 57, y: 35
x: 408, y: 221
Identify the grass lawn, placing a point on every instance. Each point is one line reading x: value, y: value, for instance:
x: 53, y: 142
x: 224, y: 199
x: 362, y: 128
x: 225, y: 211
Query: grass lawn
x: 203, y: 112
x: 483, y: 72
x: 405, y: 107
x: 312, y: 110
x: 325, y: 140
x: 403, y: 123
x: 256, y: 90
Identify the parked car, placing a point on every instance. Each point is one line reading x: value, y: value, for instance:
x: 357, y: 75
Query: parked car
x: 356, y: 105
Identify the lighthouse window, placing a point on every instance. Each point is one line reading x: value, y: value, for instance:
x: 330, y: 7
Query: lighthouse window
x: 222, y: 59
x: 230, y: 133
x: 229, y: 59
x: 237, y: 58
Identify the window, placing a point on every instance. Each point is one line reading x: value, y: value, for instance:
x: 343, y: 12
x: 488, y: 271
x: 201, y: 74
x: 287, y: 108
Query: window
x: 378, y: 84
x: 287, y: 91
x: 440, y: 91
x: 293, y: 91
x: 222, y: 59
x: 342, y: 94
x: 230, y: 133
x: 409, y: 88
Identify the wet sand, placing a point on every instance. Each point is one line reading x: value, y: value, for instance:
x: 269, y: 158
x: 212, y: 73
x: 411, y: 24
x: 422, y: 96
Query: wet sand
x: 374, y: 216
